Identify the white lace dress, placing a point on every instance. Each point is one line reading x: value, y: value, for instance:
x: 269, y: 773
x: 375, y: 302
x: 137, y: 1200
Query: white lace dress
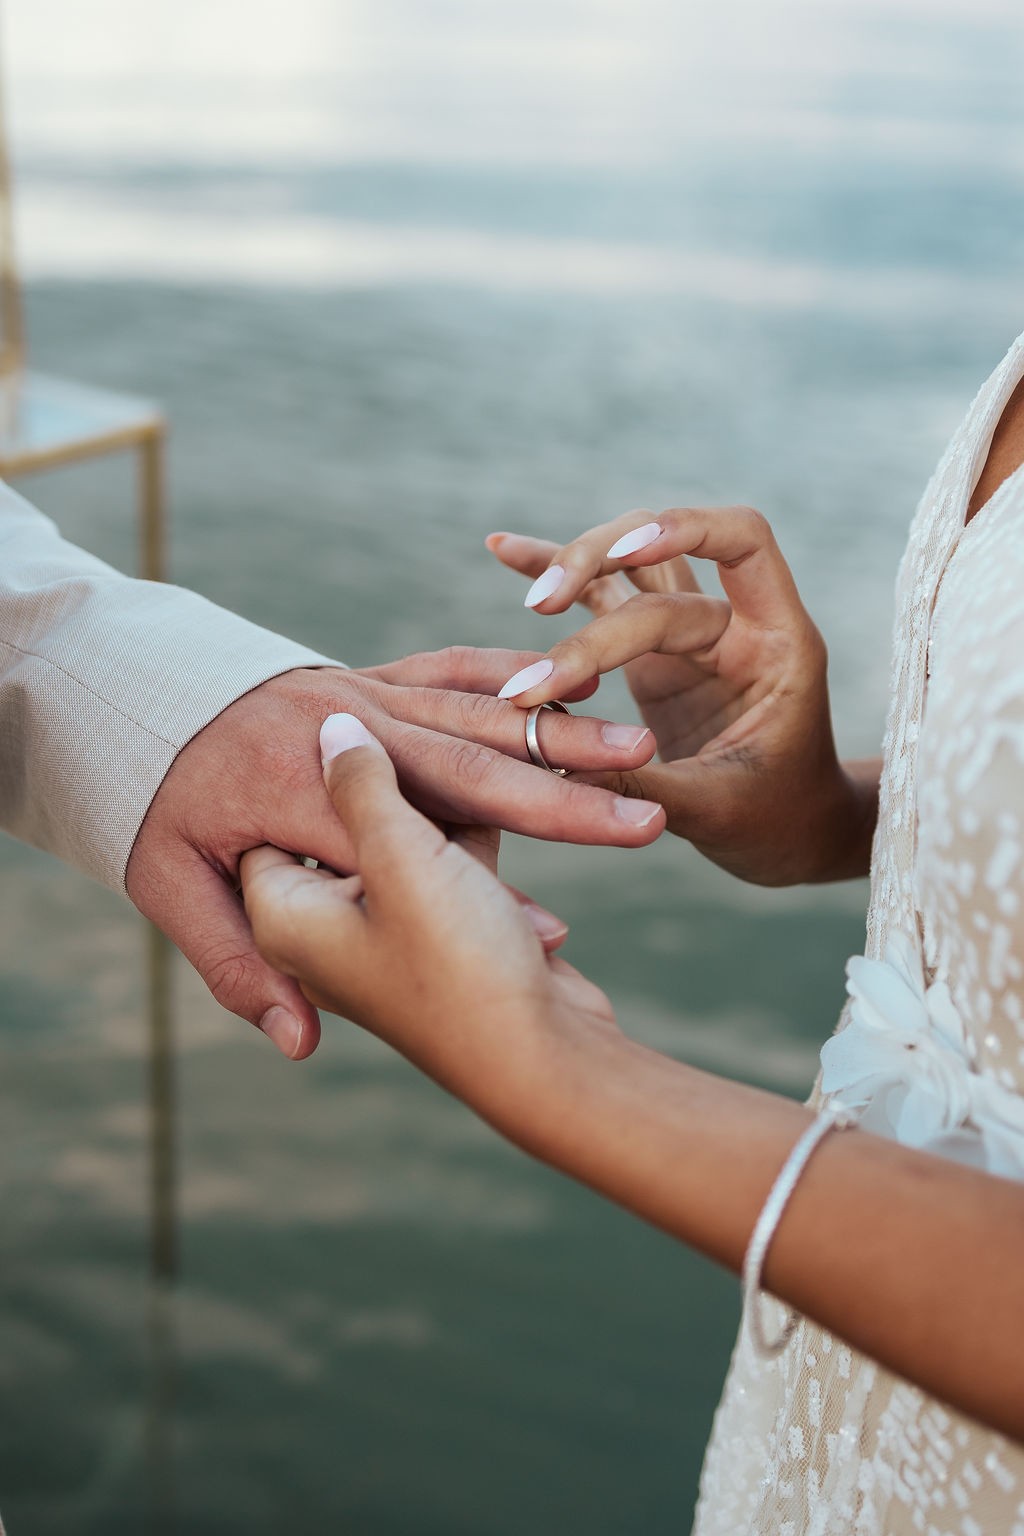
x: 822, y: 1441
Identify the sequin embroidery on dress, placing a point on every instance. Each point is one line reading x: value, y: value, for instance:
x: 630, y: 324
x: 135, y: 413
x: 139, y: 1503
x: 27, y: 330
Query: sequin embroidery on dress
x: 822, y: 1441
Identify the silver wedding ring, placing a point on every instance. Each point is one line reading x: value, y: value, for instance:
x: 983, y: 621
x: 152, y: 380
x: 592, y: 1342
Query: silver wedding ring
x: 536, y: 756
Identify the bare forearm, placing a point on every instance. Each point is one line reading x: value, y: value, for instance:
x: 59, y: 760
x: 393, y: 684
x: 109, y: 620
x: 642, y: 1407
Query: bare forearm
x: 912, y: 1259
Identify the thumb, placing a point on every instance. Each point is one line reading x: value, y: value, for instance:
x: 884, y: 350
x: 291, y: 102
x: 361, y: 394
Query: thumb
x: 384, y: 828
x: 221, y: 947
x: 691, y: 790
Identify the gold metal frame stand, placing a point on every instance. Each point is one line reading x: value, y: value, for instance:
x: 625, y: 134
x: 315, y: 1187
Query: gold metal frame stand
x: 44, y: 423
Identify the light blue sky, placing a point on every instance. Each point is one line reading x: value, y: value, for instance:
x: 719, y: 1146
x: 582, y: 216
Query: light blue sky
x: 602, y: 87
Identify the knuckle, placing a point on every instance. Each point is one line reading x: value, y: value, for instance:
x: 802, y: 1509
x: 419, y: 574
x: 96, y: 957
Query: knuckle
x: 689, y: 529
x: 665, y: 603
x: 456, y: 661
x: 577, y: 654
x: 581, y: 557
x: 468, y: 764
x: 474, y: 713
x: 226, y: 972
x: 413, y: 665
x: 605, y: 594
x: 310, y: 687
x: 657, y: 615
x: 380, y: 858
x: 679, y: 521
x: 344, y: 690
x: 759, y: 526
x: 816, y: 648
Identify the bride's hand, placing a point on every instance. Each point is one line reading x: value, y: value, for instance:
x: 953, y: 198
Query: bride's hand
x: 735, y: 691
x: 423, y: 946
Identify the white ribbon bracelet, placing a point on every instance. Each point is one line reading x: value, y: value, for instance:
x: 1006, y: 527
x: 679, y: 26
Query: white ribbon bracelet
x: 831, y: 1119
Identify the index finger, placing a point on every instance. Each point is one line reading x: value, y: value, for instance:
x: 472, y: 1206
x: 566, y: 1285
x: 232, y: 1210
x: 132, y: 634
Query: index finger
x: 459, y: 669
x: 294, y: 911
x: 754, y: 575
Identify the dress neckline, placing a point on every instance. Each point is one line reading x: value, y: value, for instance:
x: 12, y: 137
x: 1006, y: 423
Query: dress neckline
x: 1014, y: 373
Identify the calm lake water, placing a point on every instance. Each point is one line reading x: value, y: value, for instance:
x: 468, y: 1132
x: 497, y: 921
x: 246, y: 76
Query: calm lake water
x: 403, y: 274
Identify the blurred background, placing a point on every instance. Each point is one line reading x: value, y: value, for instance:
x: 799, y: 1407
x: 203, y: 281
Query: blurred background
x: 404, y: 272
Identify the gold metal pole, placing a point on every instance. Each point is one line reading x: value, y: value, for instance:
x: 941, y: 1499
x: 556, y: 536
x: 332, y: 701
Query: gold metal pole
x: 163, y: 1215
x: 162, y: 1180
x: 162, y: 1384
x: 161, y: 1321
x: 12, y: 344
x: 152, y: 513
x: 163, y: 1237
x: 163, y: 1232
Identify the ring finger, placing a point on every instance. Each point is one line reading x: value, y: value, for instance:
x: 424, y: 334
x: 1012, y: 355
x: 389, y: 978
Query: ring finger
x: 457, y: 780
x: 570, y: 741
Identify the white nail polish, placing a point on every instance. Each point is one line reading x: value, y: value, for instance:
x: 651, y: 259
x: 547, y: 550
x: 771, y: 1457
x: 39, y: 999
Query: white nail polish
x: 544, y: 586
x: 529, y: 677
x: 639, y: 538
x: 341, y: 732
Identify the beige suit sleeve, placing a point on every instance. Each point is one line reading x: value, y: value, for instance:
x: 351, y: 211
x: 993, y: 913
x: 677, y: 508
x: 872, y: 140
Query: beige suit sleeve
x: 103, y: 680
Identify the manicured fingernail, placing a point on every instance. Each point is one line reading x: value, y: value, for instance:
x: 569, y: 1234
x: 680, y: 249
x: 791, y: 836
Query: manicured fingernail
x: 341, y: 732
x: 631, y: 542
x: 545, y: 924
x: 529, y: 677
x: 282, y: 1027
x: 626, y: 737
x: 639, y: 813
x: 544, y: 586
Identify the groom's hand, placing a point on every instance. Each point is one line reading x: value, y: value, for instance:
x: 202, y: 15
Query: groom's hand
x: 253, y: 776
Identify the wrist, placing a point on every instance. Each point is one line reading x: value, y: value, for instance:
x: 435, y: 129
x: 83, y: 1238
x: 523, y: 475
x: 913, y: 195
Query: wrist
x: 537, y: 1099
x: 848, y: 823
x: 588, y: 1080
x: 688, y: 1152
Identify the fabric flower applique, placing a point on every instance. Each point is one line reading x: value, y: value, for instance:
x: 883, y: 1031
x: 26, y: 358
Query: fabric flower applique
x: 902, y: 1064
